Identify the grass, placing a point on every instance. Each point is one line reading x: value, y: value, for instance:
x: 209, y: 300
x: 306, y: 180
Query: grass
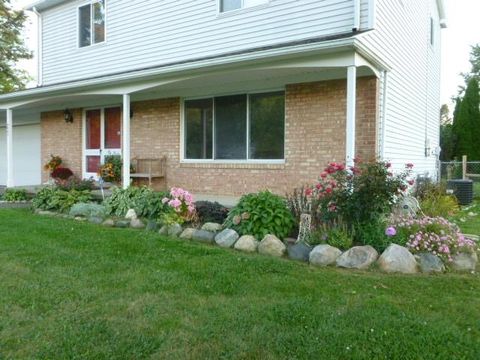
x: 75, y: 290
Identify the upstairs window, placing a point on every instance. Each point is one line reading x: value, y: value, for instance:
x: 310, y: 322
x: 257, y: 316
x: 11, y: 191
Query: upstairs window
x: 91, y: 18
x: 228, y: 5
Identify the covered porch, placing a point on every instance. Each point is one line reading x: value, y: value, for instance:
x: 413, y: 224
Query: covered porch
x: 332, y: 113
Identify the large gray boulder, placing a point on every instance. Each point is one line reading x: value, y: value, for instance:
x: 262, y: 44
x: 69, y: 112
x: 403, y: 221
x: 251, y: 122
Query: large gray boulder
x: 299, y: 251
x: 171, y: 230
x: 213, y: 227
x: 324, y: 255
x: 246, y: 243
x: 131, y: 214
x: 226, y: 238
x: 136, y: 224
x: 203, y: 236
x: 430, y: 263
x: 187, y: 233
x: 358, y: 257
x: 271, y: 245
x: 398, y: 259
x: 109, y: 223
x: 465, y: 261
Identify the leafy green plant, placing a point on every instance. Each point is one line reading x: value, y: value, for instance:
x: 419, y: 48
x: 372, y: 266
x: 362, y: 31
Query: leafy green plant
x: 87, y: 210
x: 111, y: 169
x: 55, y: 199
x: 335, y: 234
x: 74, y: 183
x: 261, y: 214
x: 146, y: 202
x: 14, y: 195
x: 208, y: 211
x: 372, y: 233
x: 434, y: 200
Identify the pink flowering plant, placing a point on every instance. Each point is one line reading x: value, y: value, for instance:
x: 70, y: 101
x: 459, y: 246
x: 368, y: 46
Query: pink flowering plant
x: 358, y: 194
x: 435, y: 235
x: 182, y: 204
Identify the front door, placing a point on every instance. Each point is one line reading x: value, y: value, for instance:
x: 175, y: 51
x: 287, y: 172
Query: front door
x: 102, y: 137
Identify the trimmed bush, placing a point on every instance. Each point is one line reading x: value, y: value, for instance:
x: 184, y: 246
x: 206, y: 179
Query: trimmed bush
x: 55, y: 199
x: 14, y: 195
x: 88, y: 210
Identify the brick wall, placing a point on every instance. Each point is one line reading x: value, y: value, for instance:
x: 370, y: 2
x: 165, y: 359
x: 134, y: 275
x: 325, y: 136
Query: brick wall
x: 62, y: 139
x: 315, y: 135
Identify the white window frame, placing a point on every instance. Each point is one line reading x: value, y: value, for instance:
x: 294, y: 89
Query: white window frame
x: 92, y: 44
x: 242, y: 8
x: 183, y: 144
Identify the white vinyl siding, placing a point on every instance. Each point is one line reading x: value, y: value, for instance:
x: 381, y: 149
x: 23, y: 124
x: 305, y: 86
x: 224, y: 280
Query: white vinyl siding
x: 402, y: 39
x: 152, y: 33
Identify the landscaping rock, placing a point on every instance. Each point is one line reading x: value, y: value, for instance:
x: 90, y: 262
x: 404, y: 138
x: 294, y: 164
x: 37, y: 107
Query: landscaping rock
x: 246, y: 243
x: 203, y: 236
x: 137, y: 224
x: 300, y: 251
x: 95, y: 220
x: 88, y: 210
x: 163, y: 230
x: 358, y: 257
x: 324, y: 255
x: 213, y: 227
x: 397, y: 258
x: 151, y: 225
x: 80, y: 218
x: 430, y: 263
x: 175, y: 230
x: 109, y: 223
x: 122, y: 224
x: 271, y: 245
x: 131, y: 214
x: 45, y: 213
x: 464, y: 262
x: 226, y: 238
x: 187, y: 233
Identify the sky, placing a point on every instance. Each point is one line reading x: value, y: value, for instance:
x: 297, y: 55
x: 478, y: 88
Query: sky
x: 457, y: 39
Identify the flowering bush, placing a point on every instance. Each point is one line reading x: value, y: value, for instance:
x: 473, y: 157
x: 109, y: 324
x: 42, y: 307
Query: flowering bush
x: 53, y: 164
x: 61, y: 173
x: 430, y: 234
x: 111, y: 169
x: 361, y: 195
x: 181, y: 201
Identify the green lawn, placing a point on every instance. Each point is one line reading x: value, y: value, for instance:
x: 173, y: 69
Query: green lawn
x: 75, y: 290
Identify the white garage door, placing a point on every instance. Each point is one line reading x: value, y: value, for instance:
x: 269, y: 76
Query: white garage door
x: 26, y: 155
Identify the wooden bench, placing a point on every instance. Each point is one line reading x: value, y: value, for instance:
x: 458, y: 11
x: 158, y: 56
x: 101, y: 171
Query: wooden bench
x: 149, y: 169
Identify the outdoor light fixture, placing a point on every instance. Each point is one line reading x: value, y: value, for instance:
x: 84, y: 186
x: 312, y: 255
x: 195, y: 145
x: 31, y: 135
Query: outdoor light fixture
x: 68, y: 116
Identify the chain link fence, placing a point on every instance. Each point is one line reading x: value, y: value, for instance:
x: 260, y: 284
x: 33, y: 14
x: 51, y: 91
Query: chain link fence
x: 452, y: 170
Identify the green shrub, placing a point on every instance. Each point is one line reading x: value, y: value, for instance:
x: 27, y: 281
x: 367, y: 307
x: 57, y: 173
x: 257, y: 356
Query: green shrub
x: 208, y: 211
x: 146, y: 202
x: 55, y: 199
x: 434, y: 200
x: 88, y: 210
x: 13, y: 195
x: 372, y: 233
x: 337, y: 235
x: 261, y: 214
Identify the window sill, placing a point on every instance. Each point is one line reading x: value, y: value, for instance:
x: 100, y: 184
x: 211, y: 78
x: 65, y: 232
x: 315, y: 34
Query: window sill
x: 262, y: 165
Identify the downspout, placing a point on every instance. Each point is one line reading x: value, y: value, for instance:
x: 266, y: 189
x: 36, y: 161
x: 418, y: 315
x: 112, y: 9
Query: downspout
x: 383, y: 118
x: 40, y: 47
x: 356, y: 15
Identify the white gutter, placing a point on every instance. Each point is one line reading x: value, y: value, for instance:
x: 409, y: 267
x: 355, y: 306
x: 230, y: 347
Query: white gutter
x: 39, y: 47
x: 232, y: 60
x: 356, y: 15
x: 442, y: 13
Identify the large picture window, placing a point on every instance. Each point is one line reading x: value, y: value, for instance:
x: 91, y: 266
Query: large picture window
x: 238, y: 127
x: 91, y: 23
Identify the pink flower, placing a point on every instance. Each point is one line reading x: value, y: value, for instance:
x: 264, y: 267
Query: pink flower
x: 308, y: 192
x: 388, y: 165
x: 411, y: 182
x: 390, y: 231
x: 323, y: 175
x: 409, y: 166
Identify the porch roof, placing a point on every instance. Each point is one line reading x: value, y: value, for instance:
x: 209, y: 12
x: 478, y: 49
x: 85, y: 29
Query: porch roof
x: 292, y: 58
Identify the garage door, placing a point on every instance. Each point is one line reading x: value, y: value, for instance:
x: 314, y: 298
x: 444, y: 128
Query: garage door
x: 26, y: 155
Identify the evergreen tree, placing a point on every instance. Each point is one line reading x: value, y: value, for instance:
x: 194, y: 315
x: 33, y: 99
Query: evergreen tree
x: 466, y: 125
x: 12, y: 48
x: 447, y: 143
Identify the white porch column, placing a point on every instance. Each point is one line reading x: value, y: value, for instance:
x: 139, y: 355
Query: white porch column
x: 9, y: 133
x: 126, y: 141
x: 351, y: 113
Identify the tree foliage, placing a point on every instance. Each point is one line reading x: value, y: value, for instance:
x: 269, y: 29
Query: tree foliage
x: 466, y: 125
x: 447, y: 140
x: 12, y: 48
